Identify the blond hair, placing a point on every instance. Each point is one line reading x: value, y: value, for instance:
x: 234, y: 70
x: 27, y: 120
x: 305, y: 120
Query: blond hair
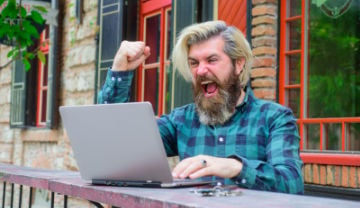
x: 236, y: 46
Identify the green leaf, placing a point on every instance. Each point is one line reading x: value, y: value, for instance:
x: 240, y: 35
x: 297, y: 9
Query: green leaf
x: 40, y: 8
x: 36, y: 16
x: 23, y: 12
x: 11, y: 53
x: 41, y: 56
x: 26, y: 64
x: 1, y: 2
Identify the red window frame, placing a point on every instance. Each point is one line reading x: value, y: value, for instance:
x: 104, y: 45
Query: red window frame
x: 42, y: 84
x: 148, y: 9
x: 323, y: 156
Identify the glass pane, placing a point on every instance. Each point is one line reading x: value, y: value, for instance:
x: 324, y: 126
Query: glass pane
x: 168, y: 35
x: 353, y: 136
x: 152, y: 38
x: 111, y: 38
x: 151, y: 90
x: 295, y: 35
x: 293, y: 101
x: 293, y: 68
x: 43, y: 106
x: 333, y: 136
x: 102, y: 77
x: 294, y: 7
x: 45, y: 71
x: 167, y: 85
x: 334, y: 66
x: 312, y: 132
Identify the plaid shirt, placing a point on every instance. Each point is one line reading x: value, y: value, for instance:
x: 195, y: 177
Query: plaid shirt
x: 261, y: 134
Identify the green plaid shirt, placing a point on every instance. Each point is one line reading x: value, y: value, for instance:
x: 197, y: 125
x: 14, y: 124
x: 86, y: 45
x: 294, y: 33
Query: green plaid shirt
x: 261, y: 134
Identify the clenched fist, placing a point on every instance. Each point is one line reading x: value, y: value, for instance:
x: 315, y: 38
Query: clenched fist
x: 130, y: 55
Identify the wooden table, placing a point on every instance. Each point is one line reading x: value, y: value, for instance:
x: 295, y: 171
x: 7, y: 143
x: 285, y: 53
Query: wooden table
x: 69, y: 183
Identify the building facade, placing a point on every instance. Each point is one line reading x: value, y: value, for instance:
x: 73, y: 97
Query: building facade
x: 306, y: 57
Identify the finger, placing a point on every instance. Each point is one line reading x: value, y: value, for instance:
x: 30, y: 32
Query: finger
x: 191, y: 169
x: 136, y: 50
x: 180, y: 167
x: 137, y: 62
x: 201, y: 173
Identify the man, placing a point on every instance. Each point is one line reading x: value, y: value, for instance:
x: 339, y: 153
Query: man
x: 226, y: 133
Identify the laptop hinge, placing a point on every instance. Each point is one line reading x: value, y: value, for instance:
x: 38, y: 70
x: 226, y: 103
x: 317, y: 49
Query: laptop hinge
x: 147, y: 183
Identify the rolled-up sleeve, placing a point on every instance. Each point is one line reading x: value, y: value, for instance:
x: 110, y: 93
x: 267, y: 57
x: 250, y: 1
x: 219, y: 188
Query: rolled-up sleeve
x: 116, y: 88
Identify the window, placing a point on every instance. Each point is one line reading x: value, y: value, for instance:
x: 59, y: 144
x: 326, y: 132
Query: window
x: 155, y: 72
x: 117, y: 19
x: 33, y: 93
x: 320, y: 70
x: 42, y: 88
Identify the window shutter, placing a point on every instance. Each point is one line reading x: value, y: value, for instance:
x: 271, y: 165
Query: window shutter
x: 207, y: 10
x: 184, y: 15
x: 187, y: 12
x: 118, y: 21
x: 18, y: 95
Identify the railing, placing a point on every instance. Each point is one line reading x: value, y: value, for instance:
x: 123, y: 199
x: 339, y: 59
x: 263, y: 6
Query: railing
x: 69, y: 183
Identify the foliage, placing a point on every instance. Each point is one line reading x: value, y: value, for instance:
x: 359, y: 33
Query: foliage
x: 20, y: 29
x: 334, y: 53
x: 334, y: 69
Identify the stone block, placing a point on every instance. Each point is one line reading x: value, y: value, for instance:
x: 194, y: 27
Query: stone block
x: 308, y: 173
x: 264, y: 61
x: 353, y: 183
x: 264, y: 9
x: 6, y: 150
x: 329, y: 175
x: 263, y: 30
x: 345, y: 176
x: 263, y: 82
x: 322, y: 174
x: 337, y: 175
x: 264, y: 50
x: 315, y: 174
x: 263, y: 72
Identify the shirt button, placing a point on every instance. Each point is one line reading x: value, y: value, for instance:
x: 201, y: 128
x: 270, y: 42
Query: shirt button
x: 221, y: 139
x: 119, y: 79
x: 112, y: 78
x: 243, y: 181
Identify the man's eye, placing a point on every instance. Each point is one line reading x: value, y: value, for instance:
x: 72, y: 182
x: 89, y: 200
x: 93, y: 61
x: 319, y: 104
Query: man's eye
x: 212, y: 60
x: 193, y: 63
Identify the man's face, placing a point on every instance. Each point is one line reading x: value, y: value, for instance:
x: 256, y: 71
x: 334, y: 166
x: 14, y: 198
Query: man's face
x: 215, y: 81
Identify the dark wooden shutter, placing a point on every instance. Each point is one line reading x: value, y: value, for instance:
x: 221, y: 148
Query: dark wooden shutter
x: 118, y: 21
x: 18, y: 95
x: 184, y: 15
x: 187, y: 12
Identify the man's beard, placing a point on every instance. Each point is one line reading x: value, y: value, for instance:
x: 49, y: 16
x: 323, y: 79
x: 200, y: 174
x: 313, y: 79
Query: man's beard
x: 219, y: 108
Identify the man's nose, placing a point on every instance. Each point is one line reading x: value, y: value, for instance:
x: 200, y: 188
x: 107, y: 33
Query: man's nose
x: 202, y: 69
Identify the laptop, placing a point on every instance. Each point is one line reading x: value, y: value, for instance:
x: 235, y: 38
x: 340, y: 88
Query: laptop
x: 120, y: 145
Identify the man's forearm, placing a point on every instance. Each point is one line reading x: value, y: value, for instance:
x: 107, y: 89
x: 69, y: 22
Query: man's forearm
x: 116, y: 88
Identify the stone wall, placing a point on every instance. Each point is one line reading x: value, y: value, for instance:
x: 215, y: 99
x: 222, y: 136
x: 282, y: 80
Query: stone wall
x: 50, y: 148
x: 332, y: 175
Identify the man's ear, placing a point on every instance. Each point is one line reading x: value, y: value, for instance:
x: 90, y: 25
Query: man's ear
x: 239, y: 65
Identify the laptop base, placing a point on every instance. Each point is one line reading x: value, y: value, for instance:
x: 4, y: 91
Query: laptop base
x: 152, y: 184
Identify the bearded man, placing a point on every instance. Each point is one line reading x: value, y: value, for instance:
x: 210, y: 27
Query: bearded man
x: 227, y: 133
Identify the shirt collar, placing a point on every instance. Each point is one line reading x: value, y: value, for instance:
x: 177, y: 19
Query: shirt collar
x: 249, y: 97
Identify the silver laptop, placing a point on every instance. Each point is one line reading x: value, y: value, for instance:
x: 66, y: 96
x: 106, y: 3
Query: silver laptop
x: 119, y: 144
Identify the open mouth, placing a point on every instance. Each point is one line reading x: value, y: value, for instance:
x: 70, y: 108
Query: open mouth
x: 209, y: 88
